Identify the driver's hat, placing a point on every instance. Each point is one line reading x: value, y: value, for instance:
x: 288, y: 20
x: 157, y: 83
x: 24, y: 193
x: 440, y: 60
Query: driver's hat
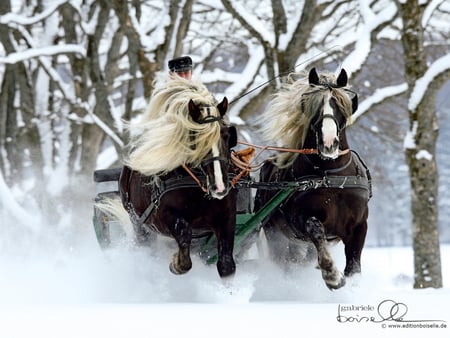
x: 181, y: 64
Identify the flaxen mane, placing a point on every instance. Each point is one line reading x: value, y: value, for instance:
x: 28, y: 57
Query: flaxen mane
x: 169, y: 137
x: 170, y: 95
x: 288, y: 115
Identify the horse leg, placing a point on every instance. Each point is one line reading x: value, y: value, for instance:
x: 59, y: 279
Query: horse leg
x: 277, y: 243
x: 282, y: 249
x: 143, y: 235
x: 181, y: 261
x: 353, y: 249
x: 225, y: 263
x: 332, y: 277
x: 225, y: 244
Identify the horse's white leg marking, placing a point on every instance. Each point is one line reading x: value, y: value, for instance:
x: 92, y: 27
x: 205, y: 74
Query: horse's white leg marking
x: 220, y: 186
x: 331, y: 274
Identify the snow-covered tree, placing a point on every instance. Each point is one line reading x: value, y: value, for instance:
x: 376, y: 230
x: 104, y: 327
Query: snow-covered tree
x: 424, y: 82
x: 71, y: 70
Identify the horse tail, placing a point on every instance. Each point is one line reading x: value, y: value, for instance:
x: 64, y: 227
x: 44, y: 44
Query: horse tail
x: 113, y: 209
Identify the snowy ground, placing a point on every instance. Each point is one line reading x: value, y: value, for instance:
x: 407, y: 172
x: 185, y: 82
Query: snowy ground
x: 81, y: 291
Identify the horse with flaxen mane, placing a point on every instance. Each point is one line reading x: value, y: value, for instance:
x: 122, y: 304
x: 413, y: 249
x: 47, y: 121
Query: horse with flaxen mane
x: 313, y: 114
x: 175, y: 179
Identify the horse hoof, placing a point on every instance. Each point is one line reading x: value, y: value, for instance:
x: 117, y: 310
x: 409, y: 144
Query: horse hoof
x: 180, y: 264
x: 226, y: 267
x: 354, y: 271
x: 175, y: 270
x: 337, y: 285
x: 227, y: 273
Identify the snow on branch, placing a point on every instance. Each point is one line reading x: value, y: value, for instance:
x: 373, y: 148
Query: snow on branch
x: 372, y: 21
x: 108, y: 131
x: 250, y: 22
x: 42, y: 51
x: 438, y: 67
x: 379, y: 96
x: 410, y: 138
x: 12, y: 18
x: 428, y: 13
x: 47, y: 65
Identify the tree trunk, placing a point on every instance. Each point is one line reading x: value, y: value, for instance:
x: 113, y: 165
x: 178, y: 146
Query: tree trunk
x: 421, y: 154
x: 183, y: 27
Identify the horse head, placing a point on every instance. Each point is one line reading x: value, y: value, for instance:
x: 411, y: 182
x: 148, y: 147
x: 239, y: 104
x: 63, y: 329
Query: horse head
x: 215, y: 166
x: 334, y: 106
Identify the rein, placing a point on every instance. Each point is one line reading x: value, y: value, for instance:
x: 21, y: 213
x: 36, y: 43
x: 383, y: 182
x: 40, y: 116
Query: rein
x: 247, y: 167
x: 308, y: 151
x: 195, y: 178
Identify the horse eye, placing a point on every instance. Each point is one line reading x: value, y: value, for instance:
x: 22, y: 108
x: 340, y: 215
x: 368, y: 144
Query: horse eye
x: 338, y: 114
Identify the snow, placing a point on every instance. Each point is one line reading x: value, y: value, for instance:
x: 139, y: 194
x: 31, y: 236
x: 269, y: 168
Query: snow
x: 108, y: 131
x: 259, y: 27
x: 44, y: 51
x: 378, y: 96
x: 291, y: 26
x: 409, y: 141
x: 8, y: 202
x: 78, y: 290
x: 12, y: 18
x: 106, y: 158
x: 56, y: 281
x: 436, y: 68
x: 424, y: 155
x: 354, y: 60
x: 431, y: 7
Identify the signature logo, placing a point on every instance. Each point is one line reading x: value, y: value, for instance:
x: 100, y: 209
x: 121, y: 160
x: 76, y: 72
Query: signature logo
x: 387, y: 311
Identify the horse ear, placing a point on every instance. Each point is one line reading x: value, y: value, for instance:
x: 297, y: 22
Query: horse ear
x: 223, y: 106
x: 313, y: 77
x: 194, y: 111
x: 232, y: 141
x: 342, y: 78
x: 354, y: 103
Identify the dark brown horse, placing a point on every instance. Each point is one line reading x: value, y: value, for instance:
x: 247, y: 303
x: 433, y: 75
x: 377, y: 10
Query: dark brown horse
x: 314, y: 114
x: 175, y: 182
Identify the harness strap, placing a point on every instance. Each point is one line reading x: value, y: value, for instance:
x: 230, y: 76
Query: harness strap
x: 309, y: 183
x: 140, y: 220
x: 195, y: 178
x: 369, y: 176
x: 361, y: 180
x: 341, y: 182
x: 159, y: 188
x: 214, y: 158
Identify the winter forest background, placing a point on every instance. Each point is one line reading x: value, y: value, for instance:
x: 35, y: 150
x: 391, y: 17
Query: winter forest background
x: 71, y: 71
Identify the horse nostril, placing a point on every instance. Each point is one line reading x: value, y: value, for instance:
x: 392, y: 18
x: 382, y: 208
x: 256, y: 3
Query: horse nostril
x: 218, y: 188
x: 331, y: 146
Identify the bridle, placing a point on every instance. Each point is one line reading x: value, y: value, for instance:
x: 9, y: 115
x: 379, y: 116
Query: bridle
x: 319, y: 120
x: 248, y: 167
x: 203, y: 171
x: 340, y: 129
x: 207, y: 119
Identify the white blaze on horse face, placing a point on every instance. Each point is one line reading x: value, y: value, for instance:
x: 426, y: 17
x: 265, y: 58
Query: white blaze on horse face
x: 220, y: 186
x: 329, y: 130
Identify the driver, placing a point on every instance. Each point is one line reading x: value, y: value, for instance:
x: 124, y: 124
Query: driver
x: 181, y: 66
